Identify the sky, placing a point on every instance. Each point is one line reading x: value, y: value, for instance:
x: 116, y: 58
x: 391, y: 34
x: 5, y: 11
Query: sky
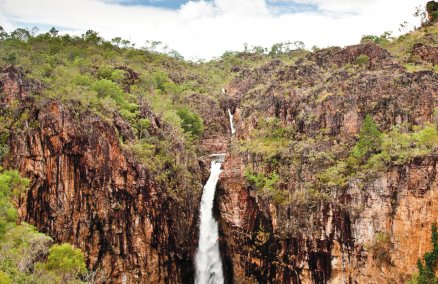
x: 206, y: 29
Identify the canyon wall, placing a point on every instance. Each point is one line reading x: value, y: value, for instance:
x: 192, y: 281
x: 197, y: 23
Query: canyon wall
x: 335, y: 239
x: 86, y: 189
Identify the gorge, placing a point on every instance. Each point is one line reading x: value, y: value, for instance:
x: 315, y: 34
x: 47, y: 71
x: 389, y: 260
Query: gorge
x: 331, y: 176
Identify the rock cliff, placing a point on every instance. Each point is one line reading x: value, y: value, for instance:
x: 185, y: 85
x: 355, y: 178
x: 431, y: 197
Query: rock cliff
x: 87, y: 190
x: 331, y: 239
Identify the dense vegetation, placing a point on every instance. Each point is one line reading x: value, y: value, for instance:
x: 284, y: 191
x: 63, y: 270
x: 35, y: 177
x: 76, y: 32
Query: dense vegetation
x: 28, y: 256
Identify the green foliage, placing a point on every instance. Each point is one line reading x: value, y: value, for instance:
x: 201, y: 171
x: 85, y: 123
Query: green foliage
x: 11, y: 184
x: 4, y: 278
x: 191, y: 122
x: 383, y: 39
x: 427, y: 266
x: 267, y: 185
x: 10, y: 58
x: 336, y: 175
x: 22, y: 247
x: 396, y: 148
x: 270, y: 139
x: 362, y: 60
x: 370, y: 139
x: 107, y: 88
x: 427, y: 138
x: 432, y: 11
x: 67, y: 261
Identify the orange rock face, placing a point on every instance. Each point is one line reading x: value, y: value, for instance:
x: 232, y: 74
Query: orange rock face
x: 330, y: 241
x: 87, y: 191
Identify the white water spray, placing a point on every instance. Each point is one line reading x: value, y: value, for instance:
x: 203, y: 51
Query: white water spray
x: 233, y: 129
x: 208, y: 259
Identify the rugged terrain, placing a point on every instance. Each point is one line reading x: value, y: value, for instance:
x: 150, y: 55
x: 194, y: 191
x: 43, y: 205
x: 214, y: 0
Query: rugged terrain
x: 313, y: 238
x: 115, y: 142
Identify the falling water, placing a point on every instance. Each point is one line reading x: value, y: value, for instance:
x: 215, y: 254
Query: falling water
x: 233, y: 129
x: 208, y: 259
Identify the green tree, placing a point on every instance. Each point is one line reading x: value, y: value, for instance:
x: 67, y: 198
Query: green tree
x: 191, y: 122
x: 370, y: 139
x: 66, y: 261
x: 11, y: 184
x: 3, y: 34
x: 427, y: 267
x: 107, y: 88
x: 432, y: 11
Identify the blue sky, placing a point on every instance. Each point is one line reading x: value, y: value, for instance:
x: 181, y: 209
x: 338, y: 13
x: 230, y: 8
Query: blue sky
x: 207, y: 28
x: 168, y: 4
x: 276, y: 5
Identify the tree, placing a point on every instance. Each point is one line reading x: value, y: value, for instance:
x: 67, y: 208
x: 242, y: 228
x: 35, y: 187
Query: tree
x: 93, y: 37
x: 107, y: 88
x: 3, y: 34
x: 191, y: 122
x: 53, y: 32
x: 11, y: 184
x: 116, y: 41
x: 370, y: 139
x: 20, y: 34
x: 427, y: 266
x: 432, y: 11
x: 66, y: 261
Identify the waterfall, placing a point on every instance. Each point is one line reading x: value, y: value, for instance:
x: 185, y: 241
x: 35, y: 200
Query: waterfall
x: 233, y: 129
x: 208, y: 259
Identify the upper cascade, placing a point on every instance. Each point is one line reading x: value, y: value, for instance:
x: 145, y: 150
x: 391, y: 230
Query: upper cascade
x: 233, y: 129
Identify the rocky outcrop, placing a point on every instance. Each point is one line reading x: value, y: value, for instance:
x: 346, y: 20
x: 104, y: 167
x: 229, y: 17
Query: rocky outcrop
x: 379, y: 58
x: 426, y: 53
x: 87, y: 190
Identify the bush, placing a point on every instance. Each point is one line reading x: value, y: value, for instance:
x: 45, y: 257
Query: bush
x: 370, y: 139
x: 107, y: 88
x: 266, y: 185
x: 191, y: 122
x: 336, y: 175
x: 362, y: 60
x: 11, y: 184
x: 66, y: 261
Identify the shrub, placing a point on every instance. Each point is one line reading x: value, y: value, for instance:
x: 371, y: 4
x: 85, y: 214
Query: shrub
x: 191, y: 122
x: 370, y: 139
x: 362, y: 60
x: 266, y: 185
x: 336, y: 175
x: 66, y: 261
x: 107, y: 88
x: 11, y: 184
x: 427, y: 138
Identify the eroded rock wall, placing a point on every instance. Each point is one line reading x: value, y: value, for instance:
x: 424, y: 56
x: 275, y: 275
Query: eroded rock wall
x: 329, y: 241
x: 89, y: 191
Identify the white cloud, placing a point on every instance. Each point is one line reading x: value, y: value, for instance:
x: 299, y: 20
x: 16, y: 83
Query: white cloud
x: 204, y: 29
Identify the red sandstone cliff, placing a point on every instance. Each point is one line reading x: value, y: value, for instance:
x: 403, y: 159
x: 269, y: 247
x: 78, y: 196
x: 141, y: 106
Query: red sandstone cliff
x: 86, y: 190
x: 329, y: 241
